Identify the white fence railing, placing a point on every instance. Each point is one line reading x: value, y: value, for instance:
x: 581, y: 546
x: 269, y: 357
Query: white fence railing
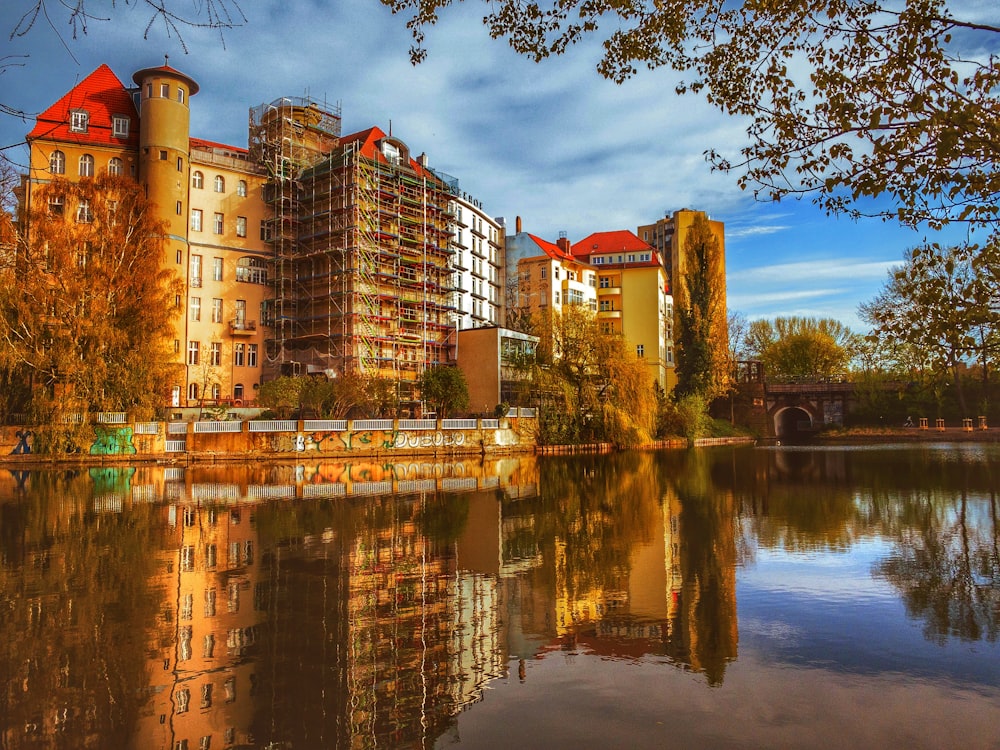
x: 362, y: 425
x: 177, y: 428
x: 147, y: 428
x: 274, y: 425
x: 458, y: 424
x: 489, y: 424
x: 175, y: 446
x: 214, y: 427
x: 418, y: 424
x: 325, y: 425
x: 111, y: 417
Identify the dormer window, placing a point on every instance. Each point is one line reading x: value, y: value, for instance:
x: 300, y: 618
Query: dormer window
x: 78, y: 121
x: 119, y: 126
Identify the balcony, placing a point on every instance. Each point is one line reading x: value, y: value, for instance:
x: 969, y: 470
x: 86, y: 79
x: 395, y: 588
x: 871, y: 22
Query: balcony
x: 242, y: 327
x: 605, y: 314
x: 611, y: 290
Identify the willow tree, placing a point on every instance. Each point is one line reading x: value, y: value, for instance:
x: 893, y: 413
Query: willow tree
x: 844, y: 99
x: 86, y: 324
x: 594, y: 386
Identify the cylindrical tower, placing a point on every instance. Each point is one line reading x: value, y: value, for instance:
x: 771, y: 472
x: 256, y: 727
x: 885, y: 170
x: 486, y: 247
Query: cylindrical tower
x: 164, y: 172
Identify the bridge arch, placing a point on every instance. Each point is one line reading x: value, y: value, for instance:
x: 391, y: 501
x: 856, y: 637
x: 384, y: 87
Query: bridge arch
x: 793, y: 423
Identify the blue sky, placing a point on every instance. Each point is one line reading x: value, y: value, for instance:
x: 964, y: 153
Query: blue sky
x: 553, y: 142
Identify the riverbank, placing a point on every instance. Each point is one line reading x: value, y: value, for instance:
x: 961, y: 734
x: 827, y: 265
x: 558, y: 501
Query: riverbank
x: 860, y: 435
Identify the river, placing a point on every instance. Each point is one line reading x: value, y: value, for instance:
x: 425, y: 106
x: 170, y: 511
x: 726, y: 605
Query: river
x: 836, y: 597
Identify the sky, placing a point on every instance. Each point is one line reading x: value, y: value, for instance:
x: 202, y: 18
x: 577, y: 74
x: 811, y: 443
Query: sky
x: 552, y: 142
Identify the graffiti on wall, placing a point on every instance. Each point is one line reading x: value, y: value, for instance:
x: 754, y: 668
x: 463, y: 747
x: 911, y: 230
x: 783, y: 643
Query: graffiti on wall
x: 112, y: 441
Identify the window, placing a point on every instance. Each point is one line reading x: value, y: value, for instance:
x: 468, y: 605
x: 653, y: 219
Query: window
x: 180, y: 94
x: 251, y: 355
x: 194, y: 349
x: 57, y: 163
x: 198, y: 180
x: 640, y: 350
x: 180, y: 163
x: 241, y: 226
x: 216, y: 310
x: 543, y: 272
x: 265, y: 231
x: 178, y: 207
x: 83, y: 214
x: 183, y: 700
x: 239, y: 352
x: 251, y: 270
x: 215, y: 356
x: 216, y: 269
x: 163, y: 154
x: 208, y: 648
x: 605, y: 282
x: 165, y: 90
x: 86, y: 167
x: 78, y: 121
x: 238, y: 390
x: 116, y: 166
x: 196, y: 270
x: 606, y: 305
x: 241, y: 188
x: 217, y: 223
x: 119, y: 126
x: 56, y: 205
x: 195, y: 219
x: 241, y: 312
x: 195, y: 312
x: 220, y: 183
x: 149, y: 91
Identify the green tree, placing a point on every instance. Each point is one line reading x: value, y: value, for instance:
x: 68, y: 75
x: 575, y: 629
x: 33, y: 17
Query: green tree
x: 844, y: 99
x: 701, y: 316
x: 802, y: 349
x: 444, y: 389
x: 941, y: 303
x: 86, y: 315
x: 282, y: 395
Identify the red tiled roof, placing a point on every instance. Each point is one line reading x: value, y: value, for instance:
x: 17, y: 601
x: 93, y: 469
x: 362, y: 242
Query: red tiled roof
x: 618, y: 241
x: 550, y: 249
x: 210, y: 145
x: 369, y: 148
x: 102, y: 95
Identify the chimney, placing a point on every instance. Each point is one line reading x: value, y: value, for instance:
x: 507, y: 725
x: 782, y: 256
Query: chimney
x: 563, y: 242
x: 517, y: 224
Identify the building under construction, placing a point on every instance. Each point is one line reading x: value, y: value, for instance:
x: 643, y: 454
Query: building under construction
x: 362, y: 271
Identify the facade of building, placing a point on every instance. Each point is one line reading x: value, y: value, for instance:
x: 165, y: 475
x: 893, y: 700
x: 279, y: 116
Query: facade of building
x: 554, y: 278
x: 306, y: 252
x: 490, y: 359
x: 633, y: 297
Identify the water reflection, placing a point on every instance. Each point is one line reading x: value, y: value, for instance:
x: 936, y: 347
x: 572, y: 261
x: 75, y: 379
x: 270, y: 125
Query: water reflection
x: 369, y: 604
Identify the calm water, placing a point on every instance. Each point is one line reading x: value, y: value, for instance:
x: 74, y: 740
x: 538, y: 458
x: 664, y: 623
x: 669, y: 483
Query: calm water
x: 839, y: 597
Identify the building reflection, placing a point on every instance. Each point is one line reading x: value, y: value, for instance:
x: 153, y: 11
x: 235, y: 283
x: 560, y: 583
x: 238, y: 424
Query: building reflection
x: 343, y: 604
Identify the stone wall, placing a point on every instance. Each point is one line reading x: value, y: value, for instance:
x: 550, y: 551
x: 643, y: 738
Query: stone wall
x: 286, y: 439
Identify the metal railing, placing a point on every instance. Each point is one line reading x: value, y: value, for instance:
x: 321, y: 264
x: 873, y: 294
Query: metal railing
x: 218, y: 426
x: 359, y: 425
x: 274, y: 425
x: 458, y: 424
x: 418, y: 424
x: 324, y: 425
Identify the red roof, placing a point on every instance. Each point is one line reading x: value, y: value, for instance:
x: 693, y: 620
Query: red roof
x: 369, y: 140
x: 102, y: 96
x: 617, y: 242
x: 204, y: 145
x: 553, y: 251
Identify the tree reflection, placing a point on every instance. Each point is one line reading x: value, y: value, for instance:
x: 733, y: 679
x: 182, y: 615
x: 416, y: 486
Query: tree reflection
x: 948, y: 570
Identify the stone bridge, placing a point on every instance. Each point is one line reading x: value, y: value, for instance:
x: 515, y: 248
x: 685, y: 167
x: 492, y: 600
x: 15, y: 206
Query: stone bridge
x: 794, y: 410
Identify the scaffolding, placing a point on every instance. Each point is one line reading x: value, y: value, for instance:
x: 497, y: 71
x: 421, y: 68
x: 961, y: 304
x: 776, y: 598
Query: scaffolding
x: 363, y: 255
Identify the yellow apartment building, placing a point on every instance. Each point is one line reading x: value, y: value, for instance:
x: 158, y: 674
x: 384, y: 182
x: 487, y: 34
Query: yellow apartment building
x: 633, y: 297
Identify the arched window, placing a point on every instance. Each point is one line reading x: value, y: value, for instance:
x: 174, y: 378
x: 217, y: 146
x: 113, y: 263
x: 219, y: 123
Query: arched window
x: 198, y: 180
x: 86, y: 165
x: 241, y: 188
x: 116, y: 166
x: 238, y: 390
x: 57, y: 163
x: 220, y: 183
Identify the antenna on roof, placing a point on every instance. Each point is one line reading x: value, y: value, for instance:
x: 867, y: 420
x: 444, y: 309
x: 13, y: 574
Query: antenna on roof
x: 166, y: 61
